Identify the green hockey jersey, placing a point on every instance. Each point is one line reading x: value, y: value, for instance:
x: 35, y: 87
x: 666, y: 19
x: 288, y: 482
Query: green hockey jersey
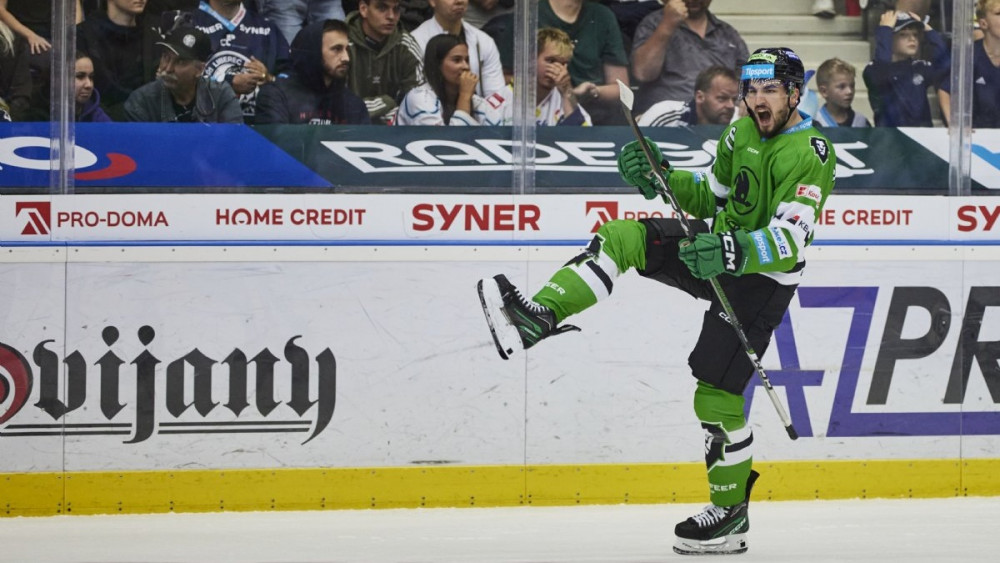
x: 774, y: 189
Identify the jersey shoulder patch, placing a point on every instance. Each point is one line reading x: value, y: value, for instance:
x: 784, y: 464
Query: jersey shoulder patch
x: 821, y: 147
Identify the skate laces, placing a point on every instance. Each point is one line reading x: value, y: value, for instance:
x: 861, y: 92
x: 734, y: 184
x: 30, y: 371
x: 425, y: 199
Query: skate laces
x: 528, y: 304
x: 711, y: 515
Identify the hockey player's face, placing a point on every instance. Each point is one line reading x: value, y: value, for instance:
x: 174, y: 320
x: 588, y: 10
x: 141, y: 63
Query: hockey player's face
x: 336, y: 59
x: 769, y: 105
x: 717, y: 105
x: 455, y: 63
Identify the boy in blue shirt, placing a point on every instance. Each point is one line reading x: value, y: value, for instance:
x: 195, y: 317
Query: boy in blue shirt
x: 897, y: 79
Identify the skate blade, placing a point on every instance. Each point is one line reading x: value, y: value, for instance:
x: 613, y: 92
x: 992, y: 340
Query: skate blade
x: 732, y: 544
x: 505, y: 335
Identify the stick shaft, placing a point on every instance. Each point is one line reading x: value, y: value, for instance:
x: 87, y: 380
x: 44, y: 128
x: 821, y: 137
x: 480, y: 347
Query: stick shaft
x: 668, y: 195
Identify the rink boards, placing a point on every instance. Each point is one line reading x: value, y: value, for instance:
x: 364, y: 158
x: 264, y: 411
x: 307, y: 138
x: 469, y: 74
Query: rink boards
x: 198, y: 371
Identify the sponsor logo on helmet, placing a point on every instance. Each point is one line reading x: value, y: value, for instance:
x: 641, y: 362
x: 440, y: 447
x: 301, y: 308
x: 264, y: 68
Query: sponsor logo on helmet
x: 757, y: 72
x: 764, y: 57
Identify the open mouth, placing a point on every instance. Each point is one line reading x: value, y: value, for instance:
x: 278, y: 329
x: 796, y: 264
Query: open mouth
x: 764, y: 117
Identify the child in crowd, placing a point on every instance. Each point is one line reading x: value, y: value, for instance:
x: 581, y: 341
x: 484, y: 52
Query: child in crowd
x: 88, y: 101
x: 985, y: 71
x: 897, y: 80
x: 835, y: 79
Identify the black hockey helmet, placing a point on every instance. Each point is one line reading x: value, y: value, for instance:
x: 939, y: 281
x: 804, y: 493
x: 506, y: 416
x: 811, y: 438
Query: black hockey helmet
x: 779, y: 63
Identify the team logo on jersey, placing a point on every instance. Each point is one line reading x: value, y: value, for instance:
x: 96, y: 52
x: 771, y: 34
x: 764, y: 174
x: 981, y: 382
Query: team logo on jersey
x: 225, y: 63
x: 745, y: 190
x: 821, y: 148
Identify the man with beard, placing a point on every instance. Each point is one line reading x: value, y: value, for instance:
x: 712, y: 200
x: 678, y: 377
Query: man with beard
x: 714, y: 102
x: 765, y: 192
x: 315, y: 92
x: 180, y: 93
x: 671, y: 46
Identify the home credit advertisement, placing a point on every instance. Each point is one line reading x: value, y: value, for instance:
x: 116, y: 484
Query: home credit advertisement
x: 407, y: 217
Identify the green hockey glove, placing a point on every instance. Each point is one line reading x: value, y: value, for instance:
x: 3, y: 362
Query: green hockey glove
x: 709, y: 255
x: 635, y: 169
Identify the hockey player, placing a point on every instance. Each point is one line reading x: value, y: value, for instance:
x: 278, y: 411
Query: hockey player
x: 772, y: 174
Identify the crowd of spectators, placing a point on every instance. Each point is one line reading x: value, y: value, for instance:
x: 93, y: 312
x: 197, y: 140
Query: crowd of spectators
x: 385, y: 62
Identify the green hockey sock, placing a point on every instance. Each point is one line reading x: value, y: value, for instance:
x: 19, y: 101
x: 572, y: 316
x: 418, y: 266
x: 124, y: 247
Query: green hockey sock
x: 728, y: 443
x: 590, y: 277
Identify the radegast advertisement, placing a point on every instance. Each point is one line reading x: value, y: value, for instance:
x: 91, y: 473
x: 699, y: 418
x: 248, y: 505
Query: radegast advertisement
x: 192, y: 157
x: 367, y: 363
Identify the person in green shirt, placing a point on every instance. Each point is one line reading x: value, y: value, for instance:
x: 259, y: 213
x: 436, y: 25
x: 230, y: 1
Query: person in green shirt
x: 755, y: 212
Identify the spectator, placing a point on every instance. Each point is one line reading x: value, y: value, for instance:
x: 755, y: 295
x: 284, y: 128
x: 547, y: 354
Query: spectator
x: 484, y: 58
x: 715, y: 95
x: 181, y: 92
x: 15, y: 78
x: 292, y: 15
x: 598, y: 54
x: 835, y: 79
x: 315, y: 92
x: 556, y: 100
x: 629, y: 13
x: 449, y: 95
x: 385, y: 60
x: 985, y: 71
x: 674, y: 44
x: 32, y: 20
x: 121, y: 45
x: 413, y: 13
x: 897, y: 80
x: 482, y: 11
x: 88, y: 101
x: 247, y: 50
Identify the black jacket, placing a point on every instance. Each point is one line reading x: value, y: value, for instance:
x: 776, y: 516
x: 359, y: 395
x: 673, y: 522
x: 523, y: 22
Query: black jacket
x: 303, y: 96
x: 124, y: 58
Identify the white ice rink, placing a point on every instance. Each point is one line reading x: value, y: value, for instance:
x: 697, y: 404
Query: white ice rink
x: 935, y: 530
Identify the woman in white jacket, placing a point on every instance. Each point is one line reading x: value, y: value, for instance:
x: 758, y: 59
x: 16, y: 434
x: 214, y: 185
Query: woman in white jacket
x: 448, y: 96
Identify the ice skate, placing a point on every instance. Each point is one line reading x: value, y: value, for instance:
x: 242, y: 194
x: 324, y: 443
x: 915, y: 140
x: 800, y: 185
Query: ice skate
x: 717, y: 530
x: 516, y: 323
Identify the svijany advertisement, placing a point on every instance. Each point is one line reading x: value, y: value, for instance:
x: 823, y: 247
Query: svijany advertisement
x: 358, y: 361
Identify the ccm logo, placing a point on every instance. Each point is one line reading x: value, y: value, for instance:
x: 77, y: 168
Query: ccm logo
x: 469, y: 217
x: 977, y: 218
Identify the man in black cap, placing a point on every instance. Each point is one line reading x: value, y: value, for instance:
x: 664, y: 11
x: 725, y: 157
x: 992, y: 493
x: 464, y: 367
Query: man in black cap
x: 180, y: 93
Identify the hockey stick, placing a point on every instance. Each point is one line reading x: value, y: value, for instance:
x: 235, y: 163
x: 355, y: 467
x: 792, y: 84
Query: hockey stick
x: 627, y: 98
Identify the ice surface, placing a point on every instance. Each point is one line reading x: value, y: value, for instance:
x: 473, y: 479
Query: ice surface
x: 910, y: 530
